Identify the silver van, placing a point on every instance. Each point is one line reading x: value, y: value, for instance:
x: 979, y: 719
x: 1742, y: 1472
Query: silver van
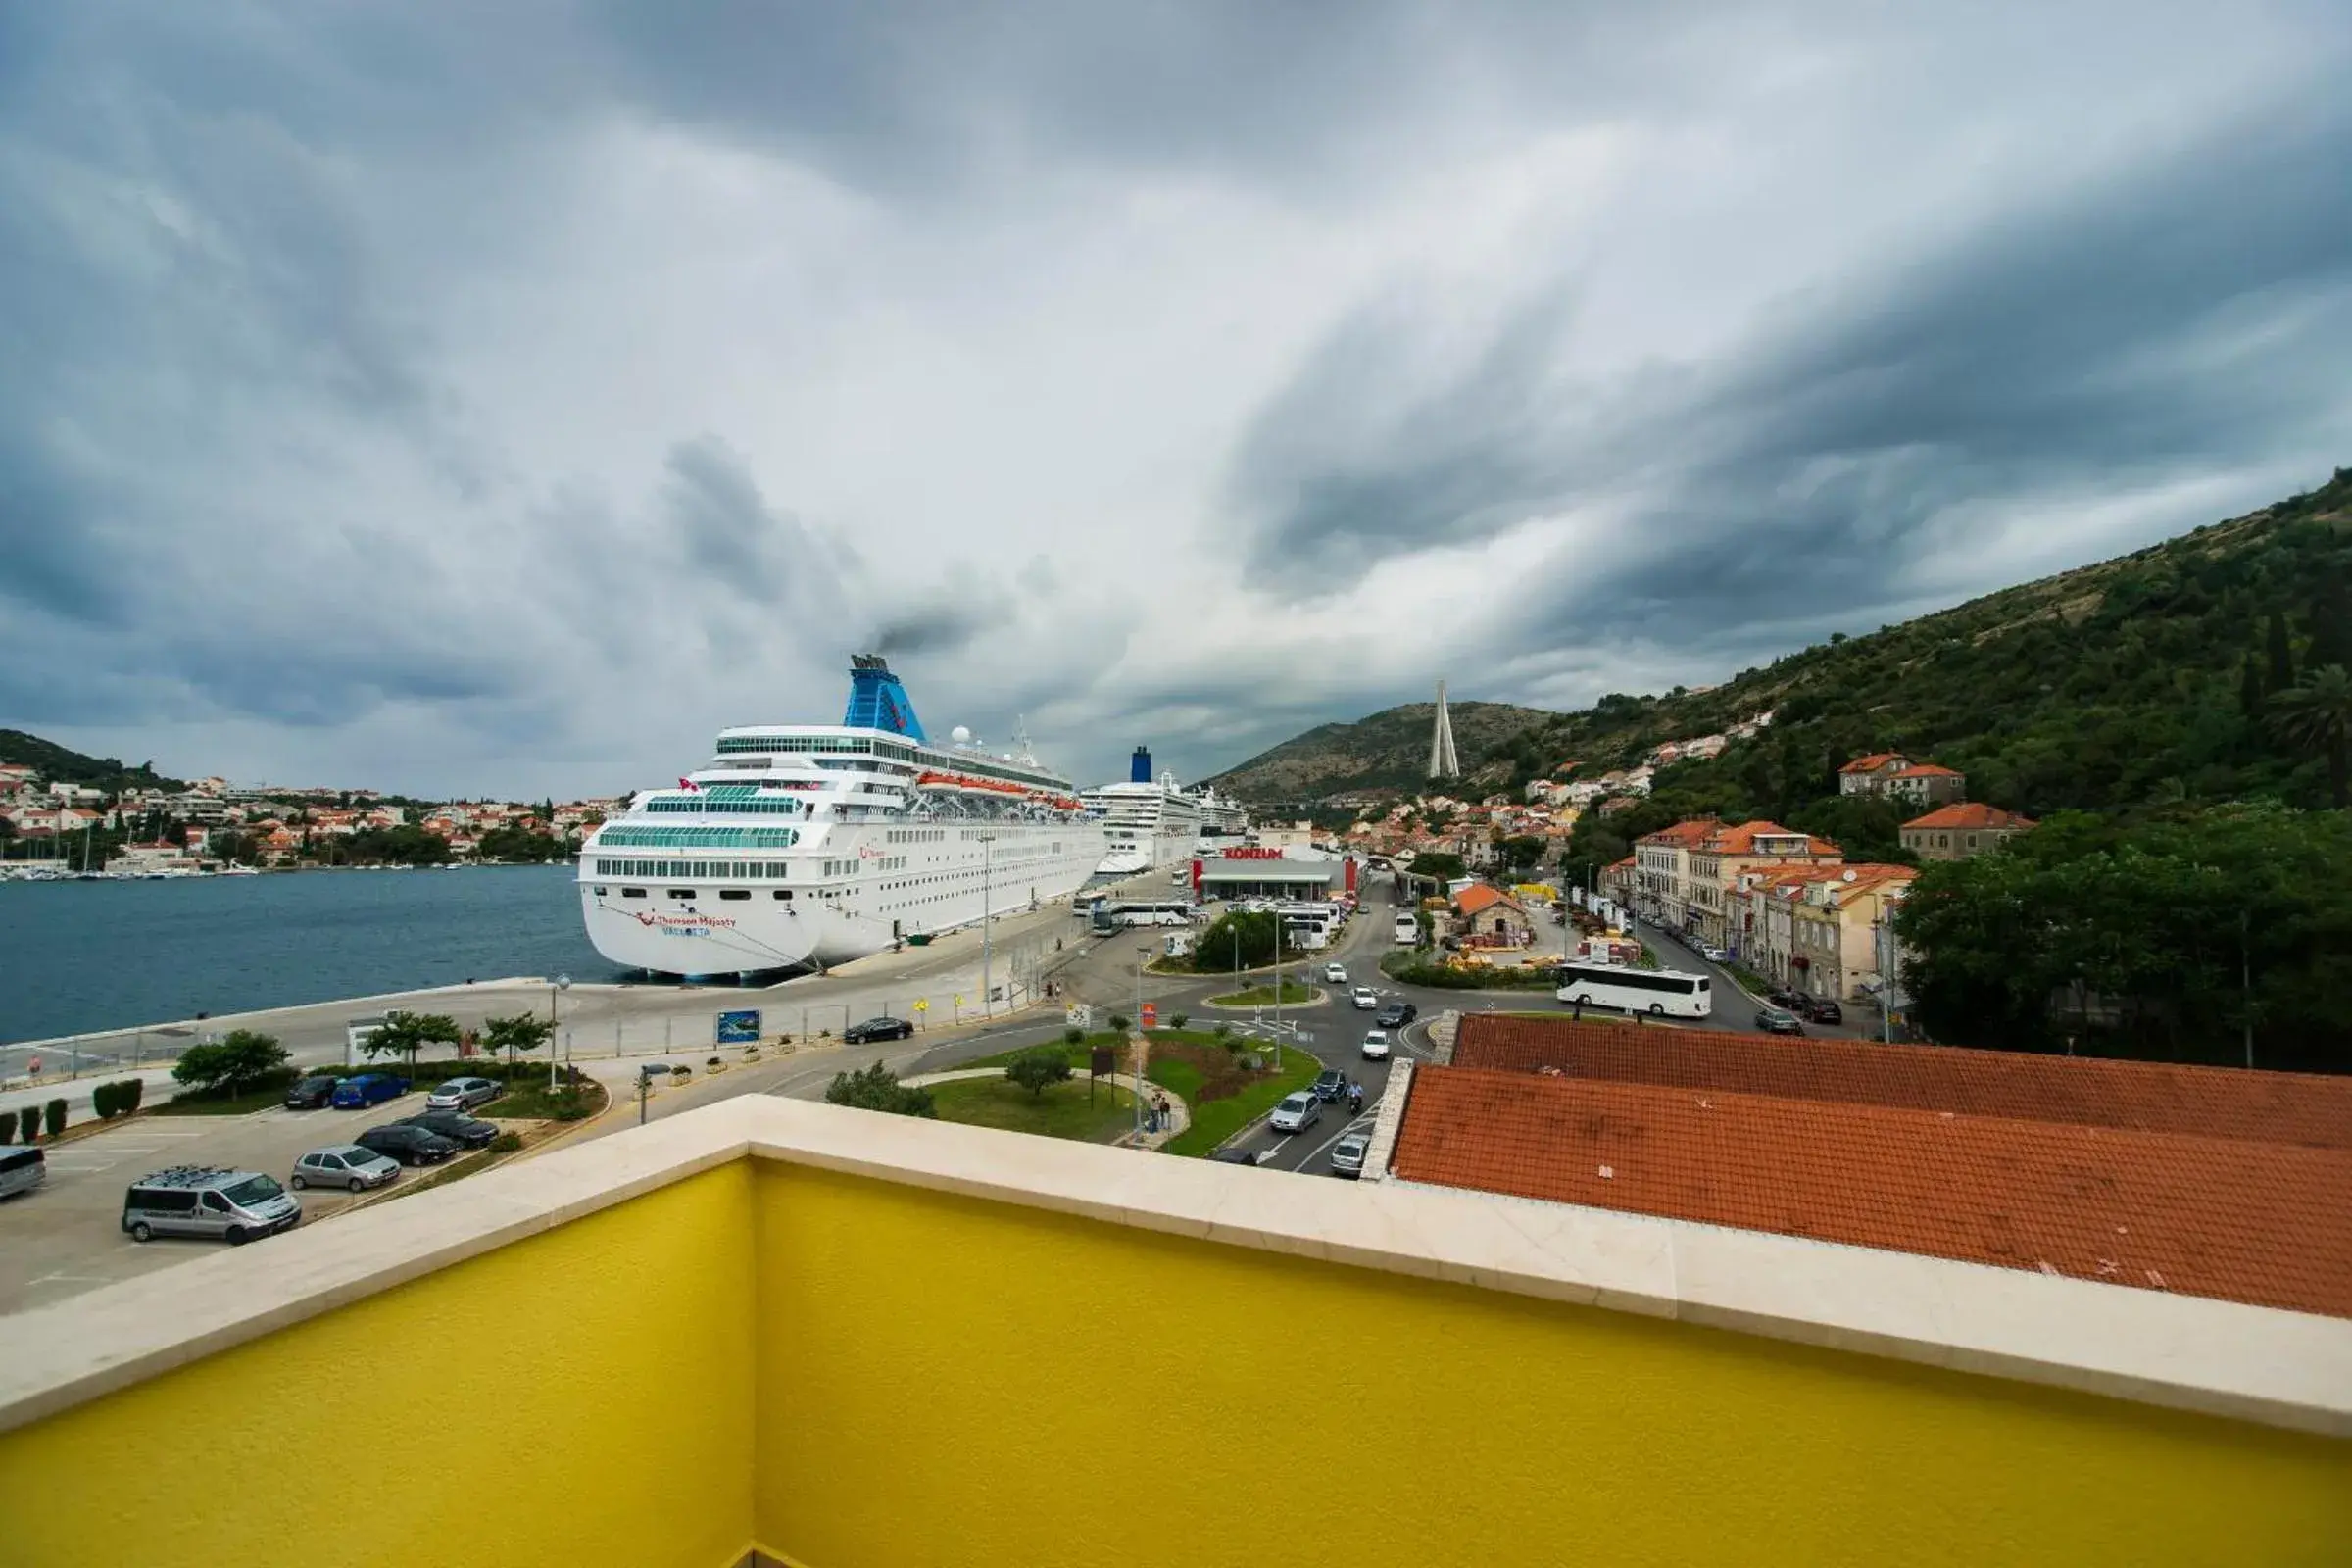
x: 21, y: 1170
x: 209, y: 1201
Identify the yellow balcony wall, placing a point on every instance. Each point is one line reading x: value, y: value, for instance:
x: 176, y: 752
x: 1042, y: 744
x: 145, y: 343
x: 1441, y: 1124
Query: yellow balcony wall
x: 857, y: 1343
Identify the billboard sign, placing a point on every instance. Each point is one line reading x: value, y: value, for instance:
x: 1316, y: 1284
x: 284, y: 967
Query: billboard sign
x: 739, y: 1028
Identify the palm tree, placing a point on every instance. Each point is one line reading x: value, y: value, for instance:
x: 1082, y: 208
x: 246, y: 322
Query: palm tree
x: 2316, y: 716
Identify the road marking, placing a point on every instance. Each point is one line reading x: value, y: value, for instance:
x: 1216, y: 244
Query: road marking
x: 1370, y: 1114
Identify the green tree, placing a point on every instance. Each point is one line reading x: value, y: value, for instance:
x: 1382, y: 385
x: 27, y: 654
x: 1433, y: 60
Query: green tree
x: 1239, y: 939
x: 1521, y: 852
x: 524, y: 1031
x: 2249, y: 688
x: 2281, y: 653
x: 227, y: 1065
x: 1073, y: 1036
x: 2316, y: 716
x: 877, y: 1087
x: 1438, y: 863
x: 1038, y: 1068
x: 405, y: 1033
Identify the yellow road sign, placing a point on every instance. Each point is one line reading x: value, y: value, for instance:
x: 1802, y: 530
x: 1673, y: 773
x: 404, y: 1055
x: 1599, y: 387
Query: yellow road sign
x: 922, y: 1006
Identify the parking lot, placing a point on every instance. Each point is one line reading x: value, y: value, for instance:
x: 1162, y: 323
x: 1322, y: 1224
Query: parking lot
x: 66, y: 1236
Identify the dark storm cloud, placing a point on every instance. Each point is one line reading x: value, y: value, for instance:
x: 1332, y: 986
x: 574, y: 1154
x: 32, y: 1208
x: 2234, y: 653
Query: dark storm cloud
x: 2194, y: 318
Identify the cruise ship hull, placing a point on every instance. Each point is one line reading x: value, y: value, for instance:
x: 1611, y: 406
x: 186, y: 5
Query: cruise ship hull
x: 728, y: 926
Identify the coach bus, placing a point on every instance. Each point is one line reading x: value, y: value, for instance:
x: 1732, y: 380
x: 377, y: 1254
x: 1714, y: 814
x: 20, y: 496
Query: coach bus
x: 1109, y: 916
x: 1667, y: 993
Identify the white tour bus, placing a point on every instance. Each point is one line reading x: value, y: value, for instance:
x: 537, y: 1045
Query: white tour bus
x: 1408, y: 930
x: 1113, y: 916
x: 1665, y: 991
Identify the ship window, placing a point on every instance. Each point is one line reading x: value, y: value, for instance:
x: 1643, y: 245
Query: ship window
x: 779, y: 894
x: 632, y: 893
x: 681, y: 893
x: 734, y: 893
x: 600, y: 893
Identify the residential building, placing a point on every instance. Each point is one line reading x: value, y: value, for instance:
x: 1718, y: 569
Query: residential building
x: 1715, y: 862
x: 1762, y: 907
x: 1487, y: 917
x: 1865, y: 774
x: 1662, y: 870
x: 1925, y: 784
x: 1956, y: 832
x: 1690, y: 1328
x: 1616, y: 882
x: 1836, y: 935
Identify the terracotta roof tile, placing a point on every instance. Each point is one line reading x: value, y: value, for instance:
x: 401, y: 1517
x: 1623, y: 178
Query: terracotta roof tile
x: 1872, y: 763
x: 1970, y: 814
x: 1479, y: 897
x: 2225, y: 1102
x: 1927, y: 770
x: 2259, y: 1222
x: 1691, y: 832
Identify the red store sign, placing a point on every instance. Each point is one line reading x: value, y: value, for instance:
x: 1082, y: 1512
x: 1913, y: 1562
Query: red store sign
x: 1252, y: 851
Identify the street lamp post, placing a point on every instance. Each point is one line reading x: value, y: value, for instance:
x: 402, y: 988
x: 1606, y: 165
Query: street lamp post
x: 563, y: 984
x: 986, y: 839
x: 1143, y: 956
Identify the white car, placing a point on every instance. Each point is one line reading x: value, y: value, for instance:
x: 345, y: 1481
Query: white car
x: 1364, y: 1000
x: 344, y: 1165
x: 1335, y: 974
x: 1296, y: 1113
x: 464, y: 1094
x: 1376, y: 1045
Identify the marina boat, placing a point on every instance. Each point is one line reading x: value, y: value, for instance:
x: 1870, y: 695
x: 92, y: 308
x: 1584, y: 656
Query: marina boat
x: 800, y: 844
x: 1147, y: 822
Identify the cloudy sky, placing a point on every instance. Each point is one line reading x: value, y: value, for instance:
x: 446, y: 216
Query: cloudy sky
x: 500, y: 398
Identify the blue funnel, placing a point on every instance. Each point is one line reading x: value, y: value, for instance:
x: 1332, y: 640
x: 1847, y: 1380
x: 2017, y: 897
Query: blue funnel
x: 877, y: 701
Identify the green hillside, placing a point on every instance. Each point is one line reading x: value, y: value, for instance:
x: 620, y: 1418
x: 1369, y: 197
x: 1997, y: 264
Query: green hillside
x: 59, y: 765
x: 2139, y: 682
x: 1388, y: 752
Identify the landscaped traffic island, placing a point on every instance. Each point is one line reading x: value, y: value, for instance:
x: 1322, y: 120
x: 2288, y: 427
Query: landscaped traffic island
x: 1294, y: 994
x: 1092, y: 1112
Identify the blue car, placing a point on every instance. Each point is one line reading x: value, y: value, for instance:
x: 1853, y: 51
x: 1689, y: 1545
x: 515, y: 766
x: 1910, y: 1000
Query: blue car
x: 368, y: 1089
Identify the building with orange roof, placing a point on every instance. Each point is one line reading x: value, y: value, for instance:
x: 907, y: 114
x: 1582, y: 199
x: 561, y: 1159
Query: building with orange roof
x: 2216, y: 1182
x: 1865, y: 774
x: 1840, y: 946
x: 1925, y: 784
x: 1717, y: 861
x: 1956, y: 832
x: 1662, y: 870
x: 1761, y: 910
x: 1488, y: 916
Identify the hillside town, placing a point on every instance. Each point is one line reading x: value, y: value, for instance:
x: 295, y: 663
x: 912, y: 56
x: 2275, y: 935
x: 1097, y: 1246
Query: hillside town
x: 52, y: 827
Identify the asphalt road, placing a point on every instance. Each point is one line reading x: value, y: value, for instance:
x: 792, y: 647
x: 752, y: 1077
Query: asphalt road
x: 1734, y: 1008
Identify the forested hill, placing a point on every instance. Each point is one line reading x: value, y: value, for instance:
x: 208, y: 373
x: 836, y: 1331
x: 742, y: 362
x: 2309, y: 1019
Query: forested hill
x: 1387, y: 752
x: 60, y: 766
x: 2136, y: 681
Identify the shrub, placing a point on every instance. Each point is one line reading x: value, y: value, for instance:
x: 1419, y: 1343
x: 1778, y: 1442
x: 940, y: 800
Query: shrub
x: 568, y: 1103
x: 101, y: 1101
x: 1176, y: 1020
x: 680, y: 1072
x: 1038, y: 1066
x: 8, y: 1126
x: 505, y: 1143
x: 241, y: 1060
x: 55, y: 1114
x: 714, y: 1061
x: 1119, y: 1022
x: 1224, y: 1031
x: 133, y: 1090
x: 29, y: 1125
x: 877, y: 1087
x: 1073, y: 1036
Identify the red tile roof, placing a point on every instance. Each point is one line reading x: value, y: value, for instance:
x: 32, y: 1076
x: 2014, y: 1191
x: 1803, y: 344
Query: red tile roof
x: 1691, y: 832
x: 1970, y: 814
x: 2267, y: 1223
x: 1870, y: 764
x: 1927, y: 770
x: 2226, y: 1102
x: 1479, y: 897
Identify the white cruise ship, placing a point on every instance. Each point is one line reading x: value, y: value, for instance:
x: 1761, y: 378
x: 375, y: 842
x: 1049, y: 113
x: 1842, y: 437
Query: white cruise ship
x: 1147, y: 822
x: 804, y: 844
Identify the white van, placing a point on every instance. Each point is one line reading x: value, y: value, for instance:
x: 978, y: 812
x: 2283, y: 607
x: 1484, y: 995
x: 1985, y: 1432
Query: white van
x: 22, y: 1170
x: 1408, y: 930
x: 234, y: 1205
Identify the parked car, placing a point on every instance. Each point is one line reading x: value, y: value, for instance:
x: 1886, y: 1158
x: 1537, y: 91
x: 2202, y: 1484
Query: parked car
x: 1364, y: 998
x: 1778, y: 1021
x: 234, y: 1206
x: 1376, y: 1045
x: 464, y: 1094
x: 368, y: 1089
x: 1715, y: 955
x: 1296, y: 1113
x: 1819, y: 1009
x: 1784, y: 998
x: 858, y: 1034
x: 1335, y: 974
x: 350, y: 1166
x: 1347, y: 1155
x: 1330, y: 1085
x: 456, y: 1126
x: 312, y: 1092
x: 411, y: 1146
x: 1396, y: 1015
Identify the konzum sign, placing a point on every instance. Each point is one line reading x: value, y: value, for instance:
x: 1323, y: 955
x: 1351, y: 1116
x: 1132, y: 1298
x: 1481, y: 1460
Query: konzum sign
x: 1252, y: 851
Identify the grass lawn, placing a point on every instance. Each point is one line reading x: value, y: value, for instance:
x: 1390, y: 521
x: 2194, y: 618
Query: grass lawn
x: 1293, y: 991
x: 185, y: 1104
x: 1062, y: 1112
x: 529, y: 1100
x: 1215, y: 1120
x: 1077, y: 1053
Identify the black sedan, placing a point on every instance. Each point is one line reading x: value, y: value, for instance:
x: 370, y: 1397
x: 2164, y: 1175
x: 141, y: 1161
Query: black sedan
x: 411, y: 1146
x: 1777, y: 1021
x: 858, y: 1034
x: 1331, y: 1086
x: 1821, y: 1009
x: 313, y: 1093
x: 454, y: 1125
x: 1396, y: 1015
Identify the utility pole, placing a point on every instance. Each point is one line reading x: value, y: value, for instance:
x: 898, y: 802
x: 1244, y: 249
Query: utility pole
x: 563, y: 984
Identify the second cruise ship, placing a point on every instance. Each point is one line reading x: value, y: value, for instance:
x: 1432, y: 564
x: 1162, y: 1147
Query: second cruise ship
x: 802, y: 845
